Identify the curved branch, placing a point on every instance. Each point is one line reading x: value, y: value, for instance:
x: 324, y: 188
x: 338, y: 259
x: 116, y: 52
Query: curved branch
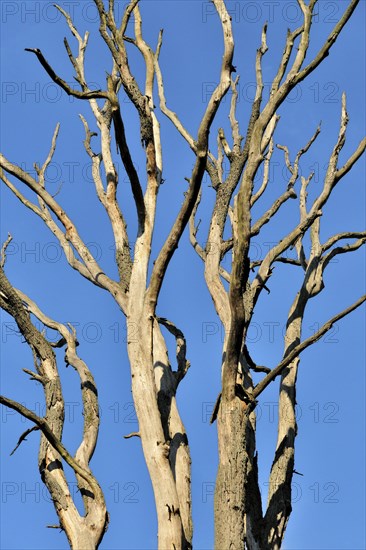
x: 343, y: 250
x: 88, y: 386
x: 289, y: 194
x: 340, y: 236
x: 163, y: 106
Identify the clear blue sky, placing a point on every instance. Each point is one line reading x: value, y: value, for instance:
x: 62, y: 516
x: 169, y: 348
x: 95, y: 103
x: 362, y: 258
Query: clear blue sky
x: 331, y: 388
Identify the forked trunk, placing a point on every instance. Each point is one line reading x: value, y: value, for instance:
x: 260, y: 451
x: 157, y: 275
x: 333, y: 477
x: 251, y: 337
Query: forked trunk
x: 162, y: 433
x: 82, y: 539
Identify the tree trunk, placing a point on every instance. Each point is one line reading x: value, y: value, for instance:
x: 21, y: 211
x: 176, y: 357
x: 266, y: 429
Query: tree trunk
x: 238, y: 509
x: 162, y: 433
x: 279, y: 494
x: 81, y: 539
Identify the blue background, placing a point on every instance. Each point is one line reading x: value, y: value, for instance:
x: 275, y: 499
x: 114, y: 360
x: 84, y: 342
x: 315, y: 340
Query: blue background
x: 329, y: 500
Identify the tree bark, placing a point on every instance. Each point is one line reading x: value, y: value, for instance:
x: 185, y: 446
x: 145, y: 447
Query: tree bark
x: 238, y: 509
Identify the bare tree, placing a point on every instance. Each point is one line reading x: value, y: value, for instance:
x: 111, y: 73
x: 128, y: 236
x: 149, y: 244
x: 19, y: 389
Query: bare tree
x: 240, y: 521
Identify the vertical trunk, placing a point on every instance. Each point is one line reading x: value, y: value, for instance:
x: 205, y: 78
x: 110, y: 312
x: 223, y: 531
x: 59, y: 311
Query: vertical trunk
x: 162, y: 433
x: 238, y: 509
x: 81, y: 538
x: 84, y: 541
x: 279, y: 494
x: 180, y: 463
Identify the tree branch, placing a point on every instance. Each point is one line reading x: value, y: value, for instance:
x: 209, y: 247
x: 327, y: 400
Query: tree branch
x: 3, y: 250
x: 330, y: 182
x: 341, y: 236
x: 23, y: 437
x: 324, y: 51
x: 60, y: 82
x: 343, y: 249
x: 97, y: 276
x: 301, y: 347
x: 181, y: 221
x: 182, y: 362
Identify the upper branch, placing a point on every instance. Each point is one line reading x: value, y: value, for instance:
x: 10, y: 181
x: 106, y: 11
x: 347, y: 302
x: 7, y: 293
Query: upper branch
x: 78, y: 62
x: 343, y: 249
x: 307, y: 219
x: 324, y: 51
x: 340, y: 236
x: 97, y: 276
x: 173, y: 117
x: 181, y: 221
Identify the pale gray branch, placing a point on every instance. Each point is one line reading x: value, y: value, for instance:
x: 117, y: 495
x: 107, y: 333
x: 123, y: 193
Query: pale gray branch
x: 265, y: 178
x: 324, y: 51
x: 237, y: 138
x: 258, y: 64
x: 291, y: 36
x: 351, y: 161
x: 289, y: 194
x: 341, y: 236
x: 193, y: 229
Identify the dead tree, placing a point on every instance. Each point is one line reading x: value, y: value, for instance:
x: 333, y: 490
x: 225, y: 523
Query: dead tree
x: 239, y: 518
